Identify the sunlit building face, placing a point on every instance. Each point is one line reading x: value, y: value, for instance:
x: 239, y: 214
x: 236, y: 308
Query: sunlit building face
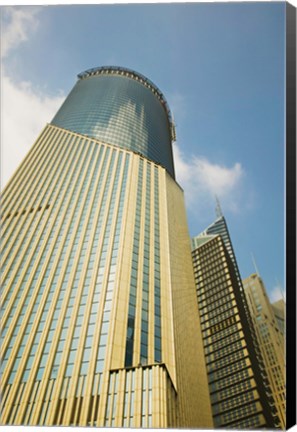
x: 100, y: 323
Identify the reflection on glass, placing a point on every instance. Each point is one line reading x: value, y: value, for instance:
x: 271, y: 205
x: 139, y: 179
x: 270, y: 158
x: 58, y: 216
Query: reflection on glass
x: 121, y: 111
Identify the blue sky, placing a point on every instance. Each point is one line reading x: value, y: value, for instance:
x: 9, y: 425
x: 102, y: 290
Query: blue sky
x: 221, y: 68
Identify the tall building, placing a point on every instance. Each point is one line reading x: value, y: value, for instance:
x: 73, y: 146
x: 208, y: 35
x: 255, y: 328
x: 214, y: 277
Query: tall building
x: 238, y: 385
x: 219, y: 226
x: 99, y: 306
x: 271, y: 339
x: 278, y: 308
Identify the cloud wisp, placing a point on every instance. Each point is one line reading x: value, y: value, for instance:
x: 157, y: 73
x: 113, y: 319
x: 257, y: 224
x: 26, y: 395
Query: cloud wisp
x: 202, y: 180
x: 17, y: 26
x: 25, y: 112
x: 25, y: 109
x: 276, y: 293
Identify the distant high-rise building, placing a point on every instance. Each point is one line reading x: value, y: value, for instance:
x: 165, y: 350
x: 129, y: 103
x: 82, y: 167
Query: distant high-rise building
x: 99, y: 313
x: 278, y: 308
x: 219, y: 226
x: 271, y: 339
x: 239, y: 389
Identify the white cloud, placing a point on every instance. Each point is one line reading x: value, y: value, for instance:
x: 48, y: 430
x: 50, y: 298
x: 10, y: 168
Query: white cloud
x: 25, y: 110
x: 178, y: 107
x: 202, y: 180
x: 276, y: 293
x: 17, y: 25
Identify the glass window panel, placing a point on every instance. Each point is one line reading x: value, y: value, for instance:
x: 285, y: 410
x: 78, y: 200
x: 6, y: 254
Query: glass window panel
x: 99, y: 366
x: 84, y: 368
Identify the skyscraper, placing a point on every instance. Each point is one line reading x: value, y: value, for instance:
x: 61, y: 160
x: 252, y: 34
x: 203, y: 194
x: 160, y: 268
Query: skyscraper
x: 279, y: 308
x: 99, y: 308
x: 238, y: 385
x: 271, y: 339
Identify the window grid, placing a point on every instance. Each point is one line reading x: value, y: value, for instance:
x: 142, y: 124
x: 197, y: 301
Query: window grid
x: 157, y: 277
x: 51, y: 291
x: 146, y: 272
x: 134, y: 271
x: 39, y: 228
x: 113, y: 260
x: 64, y: 286
x: 31, y: 289
x: 83, y: 295
x: 40, y: 153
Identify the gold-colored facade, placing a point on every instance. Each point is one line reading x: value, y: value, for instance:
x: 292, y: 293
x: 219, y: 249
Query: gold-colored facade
x: 271, y: 338
x: 239, y: 390
x: 96, y: 259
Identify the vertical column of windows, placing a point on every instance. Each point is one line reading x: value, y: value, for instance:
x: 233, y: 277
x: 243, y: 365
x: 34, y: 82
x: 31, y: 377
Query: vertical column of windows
x: 37, y: 181
x: 134, y: 272
x: 83, y: 299
x: 17, y: 229
x: 94, y: 252
x: 100, y: 276
x: 64, y: 286
x: 74, y: 288
x: 129, y: 398
x: 47, y: 306
x: 113, y: 261
x: 74, y: 291
x: 20, y: 245
x: 11, y: 312
x: 95, y: 301
x: 146, y: 398
x: 69, y: 269
x: 93, y: 318
x: 41, y: 196
x: 14, y: 193
x: 30, y: 290
x: 81, y: 245
x: 89, y: 340
x: 157, y: 278
x: 112, y: 397
x: 98, y: 286
x: 146, y: 272
x: 38, y: 226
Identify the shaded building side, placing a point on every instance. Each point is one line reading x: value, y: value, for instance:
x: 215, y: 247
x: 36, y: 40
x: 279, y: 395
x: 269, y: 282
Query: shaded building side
x: 239, y: 389
x: 271, y: 339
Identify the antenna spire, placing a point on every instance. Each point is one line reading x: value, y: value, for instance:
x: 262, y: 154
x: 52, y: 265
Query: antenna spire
x: 219, y: 212
x: 255, y: 265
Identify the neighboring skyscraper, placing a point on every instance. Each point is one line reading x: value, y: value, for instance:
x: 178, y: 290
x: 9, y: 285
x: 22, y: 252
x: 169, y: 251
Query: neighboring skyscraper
x: 271, y: 340
x: 278, y: 308
x: 220, y: 227
x: 99, y: 307
x: 239, y: 389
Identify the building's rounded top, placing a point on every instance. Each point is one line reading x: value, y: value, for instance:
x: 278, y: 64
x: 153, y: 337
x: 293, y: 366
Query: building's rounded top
x: 120, y: 107
x: 123, y: 71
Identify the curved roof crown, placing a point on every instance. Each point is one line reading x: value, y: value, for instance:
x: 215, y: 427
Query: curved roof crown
x: 118, y: 70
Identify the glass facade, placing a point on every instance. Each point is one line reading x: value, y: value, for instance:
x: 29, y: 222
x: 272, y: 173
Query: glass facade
x: 120, y: 107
